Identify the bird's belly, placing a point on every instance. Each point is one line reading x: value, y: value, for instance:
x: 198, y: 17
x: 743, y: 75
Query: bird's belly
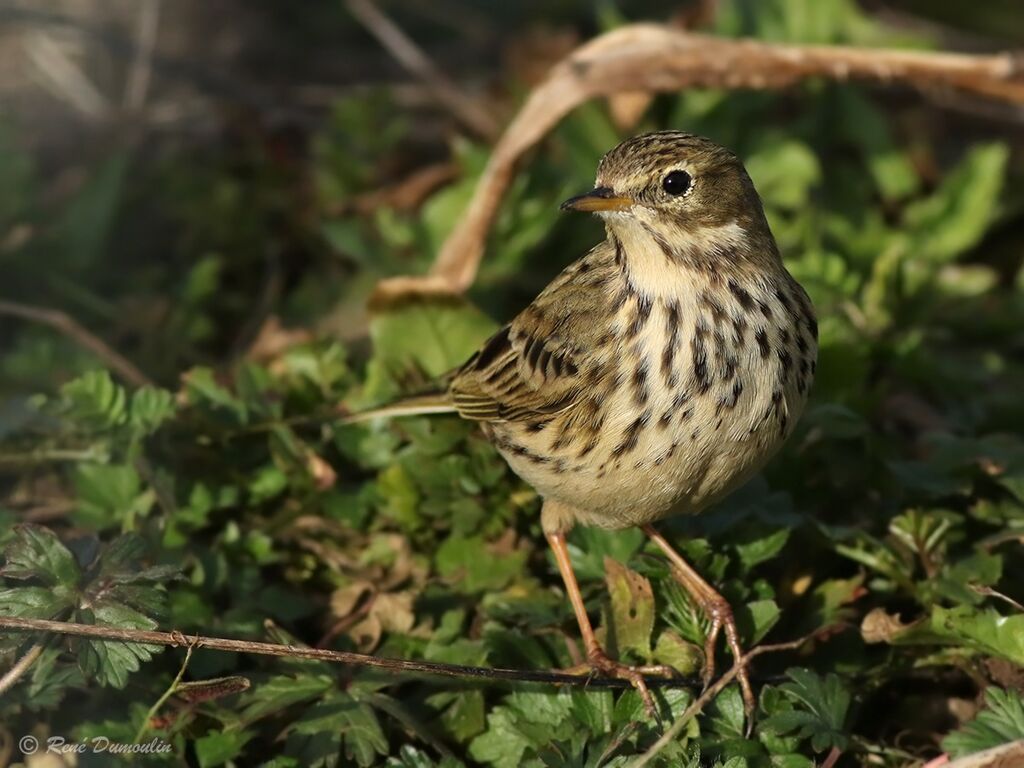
x: 693, y: 401
x: 678, y: 465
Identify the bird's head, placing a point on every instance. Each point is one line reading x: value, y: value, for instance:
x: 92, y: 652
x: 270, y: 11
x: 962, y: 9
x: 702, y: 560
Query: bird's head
x: 686, y: 192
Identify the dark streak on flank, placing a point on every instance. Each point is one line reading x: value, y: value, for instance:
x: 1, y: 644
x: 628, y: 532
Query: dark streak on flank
x: 632, y: 435
x: 717, y: 313
x: 786, y: 359
x: 762, y: 341
x: 640, y: 390
x: 700, y: 364
x: 742, y: 295
x: 739, y: 327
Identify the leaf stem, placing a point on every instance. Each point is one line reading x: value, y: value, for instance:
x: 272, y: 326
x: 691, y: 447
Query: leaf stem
x: 144, y: 726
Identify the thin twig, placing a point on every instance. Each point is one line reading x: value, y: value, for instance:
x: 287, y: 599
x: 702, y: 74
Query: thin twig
x: 165, y: 696
x: 21, y: 666
x: 64, y: 78
x: 142, y: 62
x: 652, y: 58
x: 412, y: 57
x: 67, y: 325
x: 712, y: 691
x: 177, y: 639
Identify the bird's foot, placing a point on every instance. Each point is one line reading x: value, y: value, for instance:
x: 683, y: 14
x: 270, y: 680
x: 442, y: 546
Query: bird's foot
x: 720, y: 613
x: 598, y: 663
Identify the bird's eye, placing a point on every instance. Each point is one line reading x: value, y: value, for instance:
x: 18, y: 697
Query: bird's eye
x: 677, y: 183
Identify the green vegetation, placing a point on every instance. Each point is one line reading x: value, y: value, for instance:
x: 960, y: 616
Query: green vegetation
x: 222, y: 500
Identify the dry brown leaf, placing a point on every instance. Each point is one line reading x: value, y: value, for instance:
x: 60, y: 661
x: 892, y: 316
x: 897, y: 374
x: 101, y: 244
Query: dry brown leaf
x: 881, y: 627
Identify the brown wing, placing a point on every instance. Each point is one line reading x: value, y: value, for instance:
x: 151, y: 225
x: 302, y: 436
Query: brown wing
x: 540, y: 363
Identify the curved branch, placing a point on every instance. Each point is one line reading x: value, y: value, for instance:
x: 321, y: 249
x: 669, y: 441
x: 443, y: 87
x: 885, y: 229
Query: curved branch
x: 67, y: 325
x: 648, y: 57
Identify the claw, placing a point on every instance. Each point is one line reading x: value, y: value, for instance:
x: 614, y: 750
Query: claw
x: 598, y: 663
x: 720, y: 613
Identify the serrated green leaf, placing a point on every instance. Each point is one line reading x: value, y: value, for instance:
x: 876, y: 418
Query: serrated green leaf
x: 35, y: 552
x: 95, y: 400
x: 1001, y: 721
x: 150, y: 408
x: 821, y: 706
x: 984, y: 630
x: 110, y: 662
x: 353, y: 721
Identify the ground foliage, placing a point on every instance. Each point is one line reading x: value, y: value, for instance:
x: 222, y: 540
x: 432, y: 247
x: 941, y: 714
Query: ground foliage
x: 219, y: 501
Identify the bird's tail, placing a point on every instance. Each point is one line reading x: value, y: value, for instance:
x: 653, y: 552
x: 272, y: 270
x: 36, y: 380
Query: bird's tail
x: 416, y: 405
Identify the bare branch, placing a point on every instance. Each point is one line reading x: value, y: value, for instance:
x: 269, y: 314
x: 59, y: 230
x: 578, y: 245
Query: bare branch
x: 177, y: 640
x: 652, y: 58
x: 65, y: 324
x: 412, y: 57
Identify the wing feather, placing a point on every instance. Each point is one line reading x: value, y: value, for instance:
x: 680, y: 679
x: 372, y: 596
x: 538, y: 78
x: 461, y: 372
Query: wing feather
x: 539, y: 364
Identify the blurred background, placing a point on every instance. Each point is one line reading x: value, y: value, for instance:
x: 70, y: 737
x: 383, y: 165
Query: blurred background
x: 196, y: 202
x: 176, y: 173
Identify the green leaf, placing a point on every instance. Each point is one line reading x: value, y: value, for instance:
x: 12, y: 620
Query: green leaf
x: 95, y: 401
x: 283, y: 691
x: 109, y: 495
x: 85, y: 225
x: 954, y: 218
x: 1002, y: 721
x: 354, y: 722
x: 422, y: 339
x: 474, y: 566
x: 762, y: 548
x: 756, y: 619
x: 784, y: 171
x: 218, y: 747
x: 203, y: 391
x: 34, y: 602
x: 820, y: 709
x: 632, y: 604
x: 35, y: 552
x: 150, y: 408
x: 984, y: 630
x: 686, y: 658
x: 110, y: 662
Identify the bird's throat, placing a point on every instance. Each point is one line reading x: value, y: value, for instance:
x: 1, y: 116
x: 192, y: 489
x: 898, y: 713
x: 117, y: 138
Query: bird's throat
x: 656, y: 258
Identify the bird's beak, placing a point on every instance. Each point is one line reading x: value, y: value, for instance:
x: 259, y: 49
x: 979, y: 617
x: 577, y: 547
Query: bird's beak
x: 599, y: 199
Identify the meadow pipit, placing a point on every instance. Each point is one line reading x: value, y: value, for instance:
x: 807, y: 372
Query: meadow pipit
x: 656, y: 373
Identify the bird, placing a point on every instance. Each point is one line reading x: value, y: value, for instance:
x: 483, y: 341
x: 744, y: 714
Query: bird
x: 655, y: 374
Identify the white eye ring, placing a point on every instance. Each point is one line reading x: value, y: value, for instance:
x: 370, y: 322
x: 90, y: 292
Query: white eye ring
x: 678, y: 183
